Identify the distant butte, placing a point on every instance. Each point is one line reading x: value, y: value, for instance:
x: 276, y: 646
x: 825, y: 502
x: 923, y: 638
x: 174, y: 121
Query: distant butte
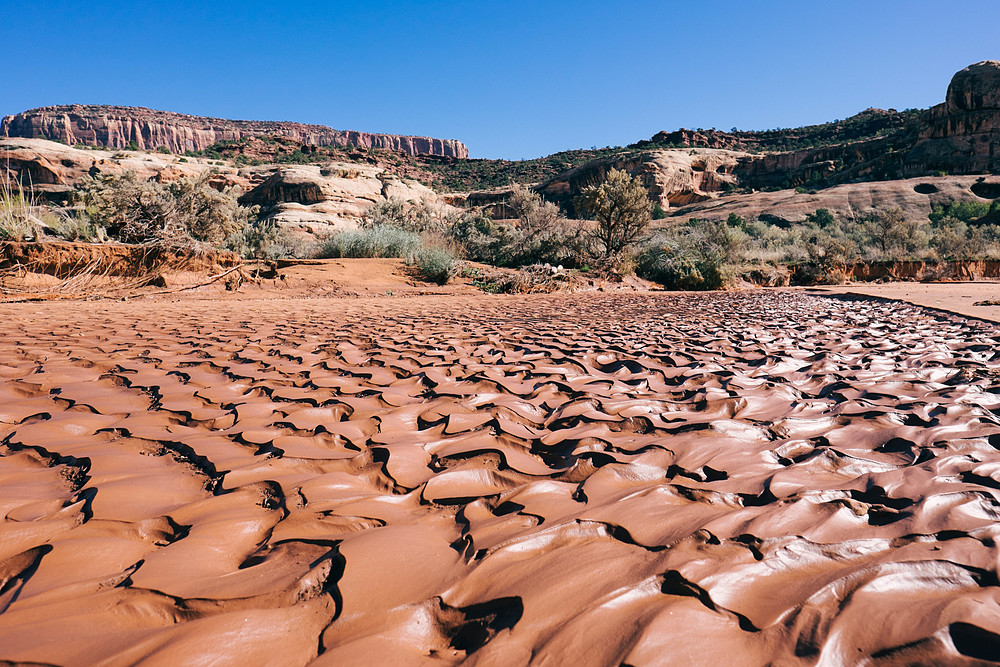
x: 117, y: 126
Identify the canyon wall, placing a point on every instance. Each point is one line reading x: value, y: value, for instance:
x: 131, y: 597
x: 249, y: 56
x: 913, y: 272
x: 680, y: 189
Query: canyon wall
x: 116, y: 127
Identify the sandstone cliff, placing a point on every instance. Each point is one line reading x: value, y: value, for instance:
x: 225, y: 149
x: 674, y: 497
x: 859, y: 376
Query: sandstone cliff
x: 116, y: 127
x: 335, y: 196
x: 962, y: 135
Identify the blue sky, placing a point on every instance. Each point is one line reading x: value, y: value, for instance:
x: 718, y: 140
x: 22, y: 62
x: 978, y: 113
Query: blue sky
x: 510, y: 79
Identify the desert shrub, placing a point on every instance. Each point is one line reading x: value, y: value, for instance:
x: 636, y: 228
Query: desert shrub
x: 378, y: 241
x: 821, y: 218
x: 265, y: 239
x: 546, y: 236
x: 76, y: 228
x: 436, y: 264
x: 894, y: 236
x: 964, y: 211
x: 667, y: 264
x: 483, y: 239
x: 163, y: 149
x: 539, y: 235
x: 621, y: 207
x: 411, y: 216
x: 137, y: 211
x: 698, y: 255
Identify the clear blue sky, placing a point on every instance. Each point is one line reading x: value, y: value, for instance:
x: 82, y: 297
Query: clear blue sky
x: 510, y: 79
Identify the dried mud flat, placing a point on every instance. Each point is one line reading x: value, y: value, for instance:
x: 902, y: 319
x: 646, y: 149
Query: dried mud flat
x: 588, y: 480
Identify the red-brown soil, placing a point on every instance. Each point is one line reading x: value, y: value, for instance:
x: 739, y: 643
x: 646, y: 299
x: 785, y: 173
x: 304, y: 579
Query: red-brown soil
x: 558, y: 479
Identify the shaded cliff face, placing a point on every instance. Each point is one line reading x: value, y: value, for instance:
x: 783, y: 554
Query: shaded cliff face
x: 115, y: 127
x: 962, y: 135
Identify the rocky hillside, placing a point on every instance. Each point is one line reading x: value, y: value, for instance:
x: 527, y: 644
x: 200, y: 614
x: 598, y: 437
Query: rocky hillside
x: 859, y: 158
x: 877, y: 159
x: 148, y: 129
x: 308, y: 198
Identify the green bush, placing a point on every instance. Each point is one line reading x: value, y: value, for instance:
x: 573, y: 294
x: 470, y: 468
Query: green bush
x: 668, y: 266
x: 377, y: 241
x: 265, y: 239
x: 622, y: 209
x: 436, y: 264
x: 539, y: 235
x: 965, y: 211
x: 486, y: 240
x: 700, y: 255
x: 77, y: 228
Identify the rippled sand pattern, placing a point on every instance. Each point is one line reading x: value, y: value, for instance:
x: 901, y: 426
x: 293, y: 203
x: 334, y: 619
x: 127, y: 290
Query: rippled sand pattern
x: 704, y: 479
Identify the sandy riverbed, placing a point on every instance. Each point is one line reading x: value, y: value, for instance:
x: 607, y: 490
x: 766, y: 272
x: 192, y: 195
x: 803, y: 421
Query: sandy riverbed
x: 590, y: 480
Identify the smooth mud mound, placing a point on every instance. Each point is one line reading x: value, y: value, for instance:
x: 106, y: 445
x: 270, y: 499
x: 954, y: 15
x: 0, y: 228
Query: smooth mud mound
x: 600, y: 480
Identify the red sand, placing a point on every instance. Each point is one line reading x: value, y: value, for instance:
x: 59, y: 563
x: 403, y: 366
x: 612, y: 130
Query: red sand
x: 588, y: 480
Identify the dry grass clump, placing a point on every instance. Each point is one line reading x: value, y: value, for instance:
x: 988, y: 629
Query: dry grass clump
x: 17, y: 219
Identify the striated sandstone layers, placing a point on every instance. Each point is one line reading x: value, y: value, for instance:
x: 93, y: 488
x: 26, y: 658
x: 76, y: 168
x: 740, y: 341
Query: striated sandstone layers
x: 962, y: 135
x: 334, y: 196
x: 741, y: 478
x: 115, y: 127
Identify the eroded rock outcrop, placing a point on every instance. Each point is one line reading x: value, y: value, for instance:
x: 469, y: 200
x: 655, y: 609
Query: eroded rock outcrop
x: 334, y: 196
x: 53, y: 170
x: 310, y: 198
x: 116, y: 127
x: 962, y: 135
x: 854, y: 165
x: 673, y: 177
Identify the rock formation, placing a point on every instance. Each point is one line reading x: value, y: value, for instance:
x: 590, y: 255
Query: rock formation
x: 310, y: 198
x: 962, y: 135
x: 116, y: 127
x: 917, y: 197
x: 334, y: 196
x: 672, y: 177
x: 854, y: 164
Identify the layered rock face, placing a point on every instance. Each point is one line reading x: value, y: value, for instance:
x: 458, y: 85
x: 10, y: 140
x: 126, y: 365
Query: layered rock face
x: 335, y: 196
x: 672, y: 177
x: 962, y: 135
x: 116, y: 127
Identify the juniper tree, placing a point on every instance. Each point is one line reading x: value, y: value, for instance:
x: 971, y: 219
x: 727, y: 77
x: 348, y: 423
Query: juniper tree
x: 621, y: 207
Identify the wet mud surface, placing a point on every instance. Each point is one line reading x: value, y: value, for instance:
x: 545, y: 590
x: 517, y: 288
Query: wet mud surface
x: 593, y: 480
